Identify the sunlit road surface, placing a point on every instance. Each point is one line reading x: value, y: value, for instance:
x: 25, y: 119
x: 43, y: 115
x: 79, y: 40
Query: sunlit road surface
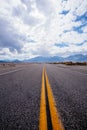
x: 60, y: 89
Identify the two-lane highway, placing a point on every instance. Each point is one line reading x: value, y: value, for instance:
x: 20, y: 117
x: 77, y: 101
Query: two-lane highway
x: 20, y: 97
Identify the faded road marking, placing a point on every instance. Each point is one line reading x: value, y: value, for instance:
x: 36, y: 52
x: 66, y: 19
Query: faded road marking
x: 10, y: 72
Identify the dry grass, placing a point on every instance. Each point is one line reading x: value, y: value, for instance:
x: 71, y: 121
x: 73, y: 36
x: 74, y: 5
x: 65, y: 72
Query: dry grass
x: 71, y: 63
x: 7, y: 64
x: 75, y: 63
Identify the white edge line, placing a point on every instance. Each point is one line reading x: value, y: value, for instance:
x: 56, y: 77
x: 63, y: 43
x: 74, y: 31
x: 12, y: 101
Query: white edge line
x: 10, y: 72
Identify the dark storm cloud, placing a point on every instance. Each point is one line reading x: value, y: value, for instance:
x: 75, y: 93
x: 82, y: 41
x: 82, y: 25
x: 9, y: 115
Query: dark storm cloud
x: 9, y: 38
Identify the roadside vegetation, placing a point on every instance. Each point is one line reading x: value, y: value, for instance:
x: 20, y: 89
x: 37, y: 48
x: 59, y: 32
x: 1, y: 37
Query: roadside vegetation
x: 71, y: 63
x: 7, y: 64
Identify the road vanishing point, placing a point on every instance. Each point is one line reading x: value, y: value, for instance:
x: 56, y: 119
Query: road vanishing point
x: 44, y: 97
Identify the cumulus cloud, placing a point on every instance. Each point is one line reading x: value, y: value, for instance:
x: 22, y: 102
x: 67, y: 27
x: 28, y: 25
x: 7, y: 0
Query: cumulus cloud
x: 46, y: 6
x: 30, y: 28
x: 9, y: 38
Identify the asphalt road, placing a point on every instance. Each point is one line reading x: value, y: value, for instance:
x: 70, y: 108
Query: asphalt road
x: 69, y: 87
x: 20, y: 96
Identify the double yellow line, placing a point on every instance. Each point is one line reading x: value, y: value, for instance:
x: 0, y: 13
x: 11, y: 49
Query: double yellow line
x: 55, y: 118
x: 43, y: 117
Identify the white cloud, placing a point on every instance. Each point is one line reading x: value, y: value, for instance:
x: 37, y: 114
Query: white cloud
x: 85, y: 29
x: 39, y: 24
x: 73, y: 37
x: 82, y: 8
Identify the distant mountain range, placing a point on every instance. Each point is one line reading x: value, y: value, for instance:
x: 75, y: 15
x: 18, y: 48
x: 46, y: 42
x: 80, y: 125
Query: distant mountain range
x: 77, y: 58
x: 74, y: 58
x: 45, y: 59
x: 6, y: 61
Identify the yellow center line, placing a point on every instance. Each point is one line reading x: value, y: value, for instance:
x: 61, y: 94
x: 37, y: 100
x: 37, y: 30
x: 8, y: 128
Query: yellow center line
x: 56, y: 122
x: 43, y: 117
x: 55, y: 117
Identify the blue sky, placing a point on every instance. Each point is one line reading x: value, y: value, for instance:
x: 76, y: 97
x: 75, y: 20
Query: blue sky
x: 30, y: 28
